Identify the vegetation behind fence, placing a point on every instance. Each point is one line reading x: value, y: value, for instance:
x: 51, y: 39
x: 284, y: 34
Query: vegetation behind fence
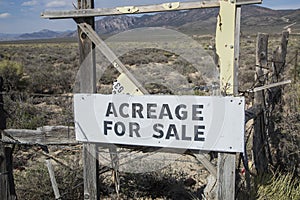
x: 38, y: 81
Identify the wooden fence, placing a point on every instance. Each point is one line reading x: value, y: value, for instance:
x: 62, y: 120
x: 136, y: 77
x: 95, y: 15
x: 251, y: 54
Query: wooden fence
x: 264, y: 101
x: 269, y: 81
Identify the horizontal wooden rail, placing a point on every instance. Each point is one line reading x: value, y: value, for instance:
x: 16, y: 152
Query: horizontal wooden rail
x: 172, y: 6
x: 46, y: 135
x: 264, y: 87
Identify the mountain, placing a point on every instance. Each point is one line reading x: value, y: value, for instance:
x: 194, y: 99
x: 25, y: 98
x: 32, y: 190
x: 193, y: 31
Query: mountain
x: 203, y: 21
x: 4, y: 36
x: 115, y: 24
x: 174, y: 20
x: 199, y: 21
x: 43, y: 34
x: 259, y: 19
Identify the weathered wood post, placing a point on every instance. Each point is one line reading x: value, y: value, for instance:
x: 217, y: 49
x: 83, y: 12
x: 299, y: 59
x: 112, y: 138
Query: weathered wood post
x: 3, y: 172
x: 259, y: 136
x: 52, y: 178
x: 296, y: 67
x: 227, y: 49
x: 7, y: 186
x: 2, y: 113
x: 279, y: 57
x: 88, y: 85
x: 274, y: 98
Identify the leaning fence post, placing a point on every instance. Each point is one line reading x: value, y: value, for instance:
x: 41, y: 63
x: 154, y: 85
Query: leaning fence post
x: 259, y: 136
x: 53, y: 179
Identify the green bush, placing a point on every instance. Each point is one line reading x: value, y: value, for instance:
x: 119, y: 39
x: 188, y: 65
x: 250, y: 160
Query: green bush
x: 22, y: 113
x: 12, y: 73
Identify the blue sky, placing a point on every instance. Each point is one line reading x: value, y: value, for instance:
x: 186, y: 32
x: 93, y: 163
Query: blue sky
x: 22, y: 16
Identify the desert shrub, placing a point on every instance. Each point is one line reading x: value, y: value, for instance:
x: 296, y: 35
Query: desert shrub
x: 145, y: 56
x: 288, y: 154
x: 109, y: 75
x: 22, y: 113
x: 279, y: 186
x: 34, y: 181
x: 49, y: 67
x: 164, y: 184
x: 12, y: 73
x: 32, y: 177
x: 51, y: 79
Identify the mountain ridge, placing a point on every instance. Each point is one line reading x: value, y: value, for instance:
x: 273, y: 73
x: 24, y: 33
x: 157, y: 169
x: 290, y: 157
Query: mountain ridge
x: 197, y: 21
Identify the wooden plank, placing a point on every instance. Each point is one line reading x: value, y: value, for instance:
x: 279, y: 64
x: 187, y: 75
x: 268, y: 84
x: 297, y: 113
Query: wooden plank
x: 50, y: 135
x: 237, y: 49
x: 247, y: 2
x: 53, y: 179
x: 227, y: 39
x: 257, y: 89
x: 119, y: 10
x: 90, y: 172
x: 225, y: 46
x: 138, y: 9
x: 88, y: 85
x: 207, y: 164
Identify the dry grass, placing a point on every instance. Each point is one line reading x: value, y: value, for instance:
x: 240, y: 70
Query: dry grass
x: 278, y: 186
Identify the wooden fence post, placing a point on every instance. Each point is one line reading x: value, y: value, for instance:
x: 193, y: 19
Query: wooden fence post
x: 2, y: 112
x: 7, y: 186
x: 296, y: 70
x: 259, y: 136
x: 279, y: 57
x: 227, y: 49
x: 88, y: 85
x: 3, y: 172
x: 10, y: 178
x: 274, y: 97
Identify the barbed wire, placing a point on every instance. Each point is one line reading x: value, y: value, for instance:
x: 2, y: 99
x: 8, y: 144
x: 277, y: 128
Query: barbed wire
x: 65, y: 95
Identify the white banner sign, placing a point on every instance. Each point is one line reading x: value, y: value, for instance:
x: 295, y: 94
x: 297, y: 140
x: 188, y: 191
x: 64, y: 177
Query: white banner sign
x: 185, y: 122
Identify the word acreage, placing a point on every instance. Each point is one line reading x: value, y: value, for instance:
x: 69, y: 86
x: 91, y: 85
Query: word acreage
x: 186, y: 122
x: 155, y: 112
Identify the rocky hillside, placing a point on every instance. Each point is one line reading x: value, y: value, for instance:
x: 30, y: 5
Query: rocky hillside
x: 199, y: 21
x: 254, y: 19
